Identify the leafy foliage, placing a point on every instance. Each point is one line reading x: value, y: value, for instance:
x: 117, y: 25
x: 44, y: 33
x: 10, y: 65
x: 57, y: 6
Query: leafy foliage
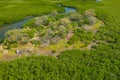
x: 51, y: 29
x: 70, y: 65
x: 102, y: 62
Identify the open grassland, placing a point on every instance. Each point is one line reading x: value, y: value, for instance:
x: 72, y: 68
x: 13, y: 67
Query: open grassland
x: 102, y: 62
x: 14, y: 10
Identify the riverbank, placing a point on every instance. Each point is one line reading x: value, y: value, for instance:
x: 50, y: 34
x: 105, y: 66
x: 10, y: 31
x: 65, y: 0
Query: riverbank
x: 52, y: 34
x: 20, y: 24
x: 19, y: 10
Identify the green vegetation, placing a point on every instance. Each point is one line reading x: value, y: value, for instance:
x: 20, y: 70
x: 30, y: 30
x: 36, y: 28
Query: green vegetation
x: 101, y: 62
x: 14, y: 10
x: 52, y: 30
x: 70, y: 65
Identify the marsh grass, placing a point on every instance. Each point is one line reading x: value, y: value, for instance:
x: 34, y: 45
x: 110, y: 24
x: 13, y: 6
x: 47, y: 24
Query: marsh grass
x: 16, y: 10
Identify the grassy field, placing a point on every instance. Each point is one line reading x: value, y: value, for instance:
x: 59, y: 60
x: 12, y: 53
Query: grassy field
x: 14, y: 10
x: 102, y: 62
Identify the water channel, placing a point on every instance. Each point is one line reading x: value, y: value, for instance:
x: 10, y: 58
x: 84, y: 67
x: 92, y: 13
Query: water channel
x: 19, y: 24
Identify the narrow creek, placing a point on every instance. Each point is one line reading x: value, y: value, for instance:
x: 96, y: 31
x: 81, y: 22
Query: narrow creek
x: 19, y: 24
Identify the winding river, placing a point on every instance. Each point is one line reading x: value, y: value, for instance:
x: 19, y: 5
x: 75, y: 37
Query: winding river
x: 19, y: 24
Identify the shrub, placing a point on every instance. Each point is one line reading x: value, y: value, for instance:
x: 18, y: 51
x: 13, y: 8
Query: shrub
x: 54, y: 51
x: 73, y: 39
x: 30, y: 23
x: 36, y: 42
x: 76, y: 17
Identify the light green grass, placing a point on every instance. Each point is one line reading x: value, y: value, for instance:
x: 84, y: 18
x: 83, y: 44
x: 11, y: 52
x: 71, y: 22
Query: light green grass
x: 14, y: 10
